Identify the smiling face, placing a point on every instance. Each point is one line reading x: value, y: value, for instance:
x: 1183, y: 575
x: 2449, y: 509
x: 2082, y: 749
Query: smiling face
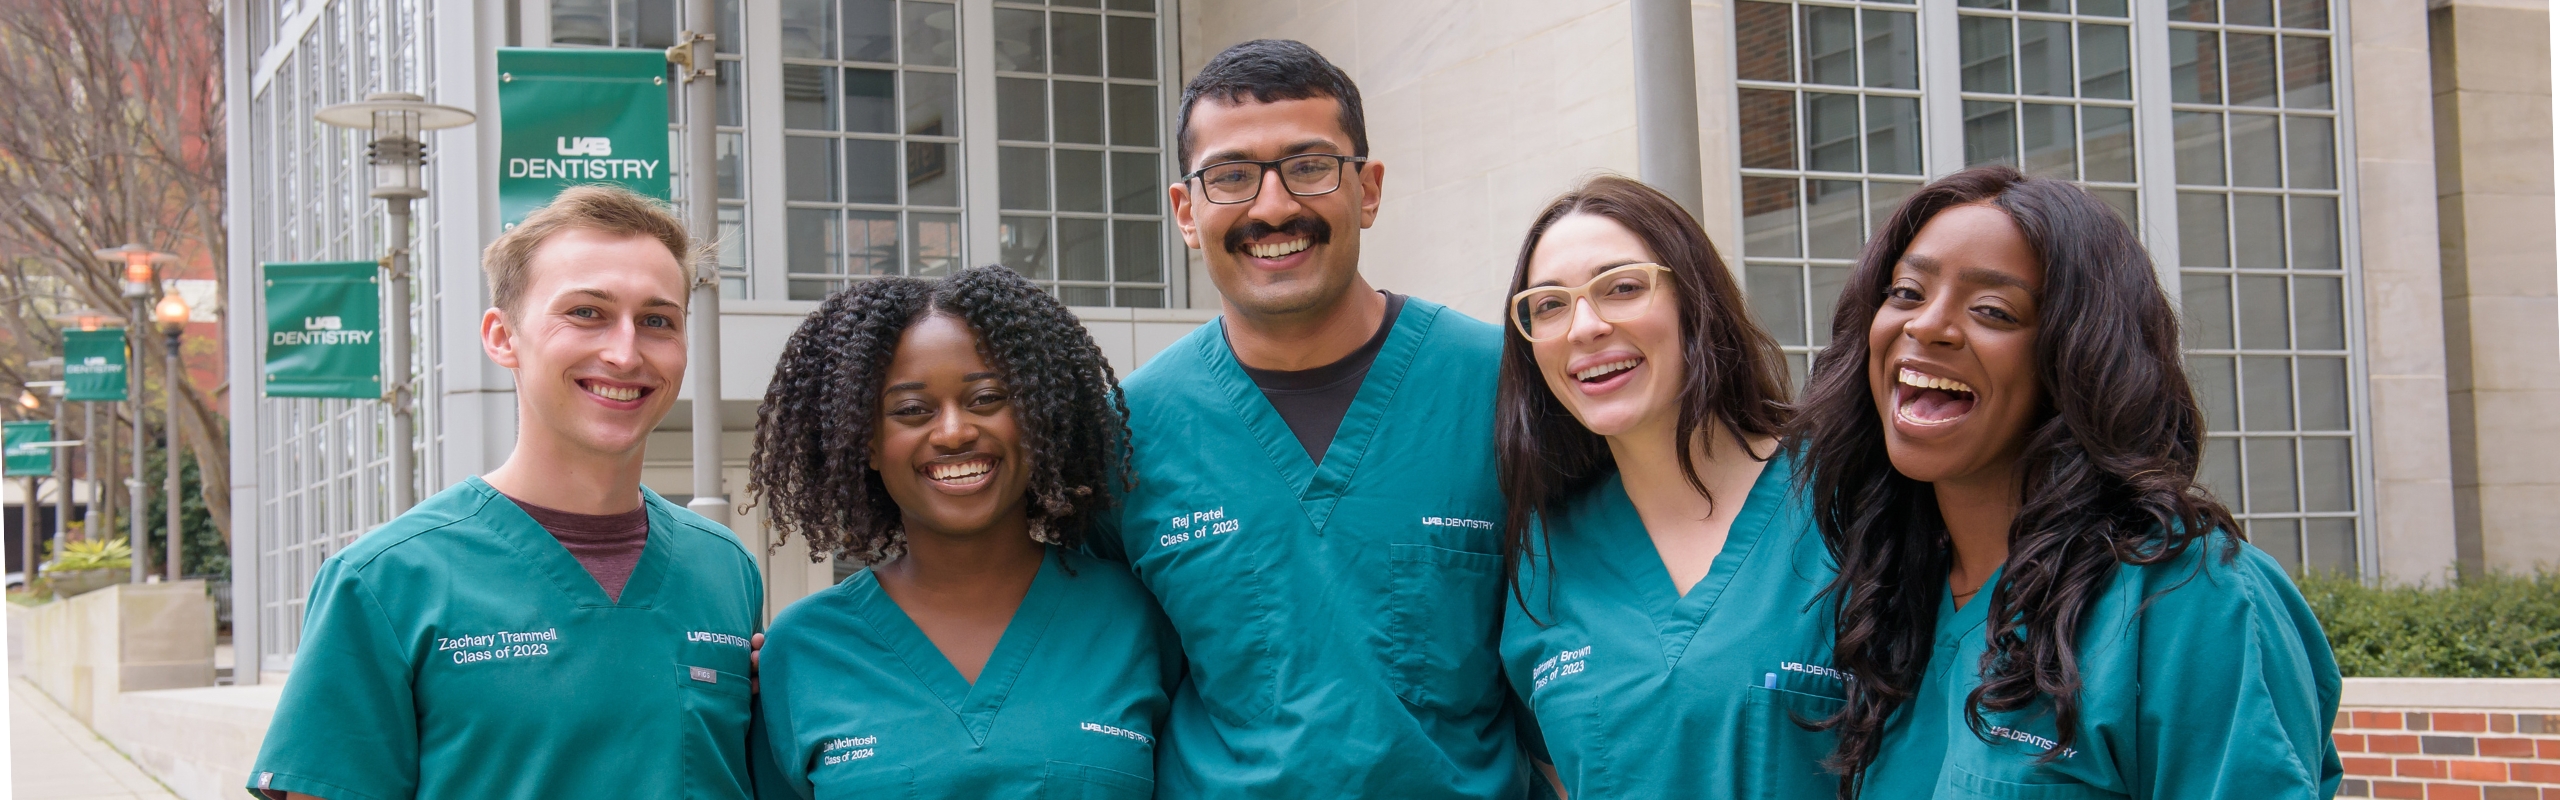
x: 947, y: 445
x: 597, y: 341
x: 1616, y: 377
x: 1951, y: 354
x: 1278, y: 254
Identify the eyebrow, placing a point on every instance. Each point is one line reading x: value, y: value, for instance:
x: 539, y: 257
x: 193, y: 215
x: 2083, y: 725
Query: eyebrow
x: 1595, y: 272
x: 1930, y: 266
x: 918, y: 386
x: 653, y: 302
x: 1300, y: 148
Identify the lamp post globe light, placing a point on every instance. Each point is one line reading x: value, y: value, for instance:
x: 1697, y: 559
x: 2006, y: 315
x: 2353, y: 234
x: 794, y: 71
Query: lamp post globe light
x: 96, y: 521
x: 395, y: 119
x: 172, y: 316
x: 139, y: 262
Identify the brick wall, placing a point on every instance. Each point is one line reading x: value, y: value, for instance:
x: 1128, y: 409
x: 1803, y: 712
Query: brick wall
x: 2434, y: 755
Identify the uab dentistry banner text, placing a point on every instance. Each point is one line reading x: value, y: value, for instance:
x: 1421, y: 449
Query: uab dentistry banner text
x: 324, y: 329
x: 93, y: 365
x: 570, y: 117
x: 23, y: 457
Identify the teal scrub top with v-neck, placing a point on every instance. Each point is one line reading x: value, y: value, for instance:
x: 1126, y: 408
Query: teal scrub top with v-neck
x: 460, y: 651
x: 2199, y: 678
x: 859, y: 704
x: 1641, y: 691
x: 1340, y: 619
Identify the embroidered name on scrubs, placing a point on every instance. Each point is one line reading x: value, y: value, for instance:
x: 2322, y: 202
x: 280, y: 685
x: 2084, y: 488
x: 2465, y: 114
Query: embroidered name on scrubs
x: 854, y: 748
x: 468, y: 649
x: 1113, y: 730
x: 716, y: 638
x: 1198, y: 525
x: 1560, y: 665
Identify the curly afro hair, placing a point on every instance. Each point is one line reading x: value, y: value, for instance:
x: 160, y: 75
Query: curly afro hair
x: 813, y: 433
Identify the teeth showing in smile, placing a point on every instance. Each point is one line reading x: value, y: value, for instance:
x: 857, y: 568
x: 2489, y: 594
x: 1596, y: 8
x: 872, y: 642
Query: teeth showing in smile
x: 1280, y: 249
x: 1931, y: 400
x: 1606, y: 370
x: 623, y: 393
x: 961, y: 471
x: 1912, y: 377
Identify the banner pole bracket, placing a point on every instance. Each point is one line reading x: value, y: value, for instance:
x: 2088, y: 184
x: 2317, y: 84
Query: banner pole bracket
x: 683, y: 55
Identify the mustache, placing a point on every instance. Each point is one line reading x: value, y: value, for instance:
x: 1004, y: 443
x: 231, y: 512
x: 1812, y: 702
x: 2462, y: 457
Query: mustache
x: 1308, y: 227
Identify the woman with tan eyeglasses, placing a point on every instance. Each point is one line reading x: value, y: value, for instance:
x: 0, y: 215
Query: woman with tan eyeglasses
x: 1664, y: 631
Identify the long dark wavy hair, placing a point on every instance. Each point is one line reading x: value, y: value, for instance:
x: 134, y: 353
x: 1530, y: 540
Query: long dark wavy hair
x: 2107, y: 475
x: 1735, y: 378
x: 812, y: 459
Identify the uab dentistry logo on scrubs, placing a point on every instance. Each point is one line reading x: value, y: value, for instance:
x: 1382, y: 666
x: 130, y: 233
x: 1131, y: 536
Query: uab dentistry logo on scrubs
x: 716, y: 638
x: 471, y: 649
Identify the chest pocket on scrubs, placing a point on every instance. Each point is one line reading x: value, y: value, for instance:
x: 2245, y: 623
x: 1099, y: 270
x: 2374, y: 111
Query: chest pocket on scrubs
x: 1769, y: 720
x: 715, y: 731
x: 1064, y: 780
x: 1441, y: 626
x: 1962, y: 783
x: 882, y: 782
x: 1232, y: 666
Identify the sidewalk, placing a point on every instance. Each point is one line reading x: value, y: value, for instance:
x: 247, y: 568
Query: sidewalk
x: 54, y: 757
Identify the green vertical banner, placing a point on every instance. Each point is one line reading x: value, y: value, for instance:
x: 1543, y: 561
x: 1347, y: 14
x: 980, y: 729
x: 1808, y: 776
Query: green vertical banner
x: 93, y: 365
x: 23, y: 452
x: 324, y: 324
x: 574, y: 116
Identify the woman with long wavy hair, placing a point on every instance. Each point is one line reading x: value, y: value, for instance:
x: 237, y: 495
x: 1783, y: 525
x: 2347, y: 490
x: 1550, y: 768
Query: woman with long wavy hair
x: 1662, y: 635
x: 2035, y: 596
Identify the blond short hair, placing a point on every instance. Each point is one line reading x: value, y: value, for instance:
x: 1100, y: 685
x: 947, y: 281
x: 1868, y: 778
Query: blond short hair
x: 604, y: 208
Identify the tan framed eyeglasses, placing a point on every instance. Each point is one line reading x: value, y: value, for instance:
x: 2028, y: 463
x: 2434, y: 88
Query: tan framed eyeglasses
x: 1617, y: 295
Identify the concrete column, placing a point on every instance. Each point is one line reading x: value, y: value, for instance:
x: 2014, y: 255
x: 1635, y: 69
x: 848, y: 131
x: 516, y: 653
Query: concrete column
x: 1667, y: 100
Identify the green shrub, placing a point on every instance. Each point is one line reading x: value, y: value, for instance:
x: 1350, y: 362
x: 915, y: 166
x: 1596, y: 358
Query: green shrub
x: 2476, y: 626
x: 92, y: 554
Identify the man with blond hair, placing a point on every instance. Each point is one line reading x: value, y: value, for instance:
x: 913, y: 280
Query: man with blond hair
x: 551, y: 629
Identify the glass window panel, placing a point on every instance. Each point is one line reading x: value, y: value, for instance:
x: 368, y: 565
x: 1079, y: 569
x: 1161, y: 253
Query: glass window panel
x: 1822, y: 298
x: 1022, y: 178
x: 1022, y: 40
x: 933, y: 104
x: 1834, y: 219
x: 1893, y: 135
x: 2106, y: 141
x: 2330, y: 545
x: 1137, y: 247
x: 1135, y: 189
x: 1078, y: 106
x: 2217, y: 390
x: 871, y: 31
x: 2306, y: 72
x: 2199, y: 148
x: 2319, y: 314
x: 812, y: 176
x: 1764, y: 38
x: 870, y: 171
x: 1830, y: 45
x: 1148, y: 6
x: 1081, y: 250
x: 1990, y: 133
x: 1133, y: 48
x: 2206, y: 300
x: 1023, y: 243
x: 2263, y: 322
x: 2046, y: 6
x: 2257, y: 231
x: 1831, y: 131
x: 1080, y: 183
x: 1133, y: 115
x: 2324, y: 393
x: 1882, y: 199
x: 2106, y: 65
x: 808, y: 97
x: 2203, y: 231
x: 2249, y: 12
x: 1983, y: 43
x: 2256, y: 160
x: 1777, y: 298
x: 1125, y: 297
x: 871, y: 242
x: 1769, y: 227
x: 1893, y: 50
x: 581, y: 22
x: 2049, y: 139
x: 1022, y: 109
x: 1076, y: 3
x: 933, y: 174
x: 2102, y: 8
x: 732, y: 246
x: 2280, y: 538
x: 812, y: 246
x: 2192, y: 10
x: 808, y: 29
x: 2315, y: 232
x: 928, y: 34
x: 1768, y: 128
x: 2252, y: 69
x: 1999, y: 4
x: 2044, y: 58
x: 812, y: 290
x: 870, y: 100
x: 2124, y: 201
x: 2313, y: 14
x: 2271, y: 475
x: 2220, y: 471
x: 733, y: 110
x: 1796, y: 371
x: 2195, y: 65
x: 731, y: 149
x: 2311, y: 153
x: 1075, y: 44
x: 935, y: 244
x: 1084, y: 296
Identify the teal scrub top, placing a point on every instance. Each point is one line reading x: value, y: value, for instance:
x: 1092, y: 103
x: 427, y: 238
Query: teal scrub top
x: 859, y: 704
x: 2199, y: 679
x: 1341, y: 620
x: 460, y: 651
x: 1640, y: 691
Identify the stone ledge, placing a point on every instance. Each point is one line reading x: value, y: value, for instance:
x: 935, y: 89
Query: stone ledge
x: 2506, y: 693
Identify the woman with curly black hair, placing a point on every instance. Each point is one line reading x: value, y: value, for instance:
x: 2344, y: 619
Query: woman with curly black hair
x: 957, y: 436
x: 2035, y: 597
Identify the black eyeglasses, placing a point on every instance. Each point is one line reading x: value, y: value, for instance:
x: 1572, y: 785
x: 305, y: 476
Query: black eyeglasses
x: 1306, y: 175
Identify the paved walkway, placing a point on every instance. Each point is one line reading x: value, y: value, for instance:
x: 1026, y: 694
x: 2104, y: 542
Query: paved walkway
x: 54, y: 757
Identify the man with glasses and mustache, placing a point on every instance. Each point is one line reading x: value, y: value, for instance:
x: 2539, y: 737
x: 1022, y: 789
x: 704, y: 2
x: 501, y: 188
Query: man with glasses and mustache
x: 1315, y: 503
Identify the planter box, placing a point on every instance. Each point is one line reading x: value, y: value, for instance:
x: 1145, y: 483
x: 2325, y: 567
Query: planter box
x: 83, y: 581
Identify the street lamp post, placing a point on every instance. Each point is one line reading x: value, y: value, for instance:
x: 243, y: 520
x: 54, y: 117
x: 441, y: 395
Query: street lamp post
x: 27, y: 521
x: 138, y: 263
x: 395, y: 120
x: 172, y: 316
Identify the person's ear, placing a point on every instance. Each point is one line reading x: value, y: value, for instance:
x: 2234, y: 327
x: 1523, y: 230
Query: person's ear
x: 1179, y: 195
x: 1373, y: 181
x: 498, y: 338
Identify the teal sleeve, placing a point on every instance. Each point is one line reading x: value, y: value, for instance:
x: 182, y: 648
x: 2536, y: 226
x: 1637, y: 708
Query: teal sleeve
x: 779, y: 771
x: 770, y: 782
x: 347, y: 727
x: 2234, y: 701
